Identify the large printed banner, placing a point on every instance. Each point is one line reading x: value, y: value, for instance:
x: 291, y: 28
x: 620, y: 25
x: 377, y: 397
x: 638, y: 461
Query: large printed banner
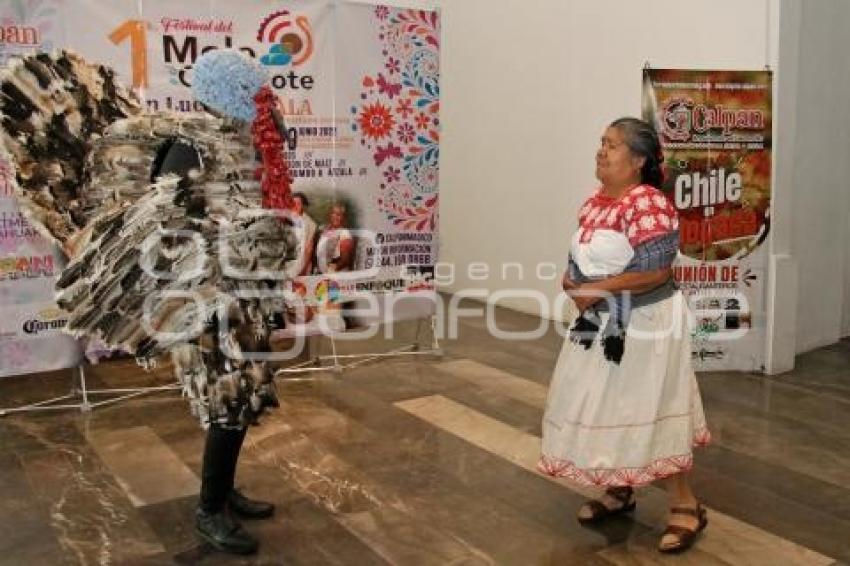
x: 715, y: 129
x: 31, y: 337
x: 358, y: 86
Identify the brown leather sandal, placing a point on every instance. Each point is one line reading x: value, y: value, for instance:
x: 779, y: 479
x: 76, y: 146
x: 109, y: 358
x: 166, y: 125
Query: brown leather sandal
x: 685, y: 537
x: 600, y: 511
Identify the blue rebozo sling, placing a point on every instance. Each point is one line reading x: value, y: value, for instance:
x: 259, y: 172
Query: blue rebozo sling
x: 657, y: 253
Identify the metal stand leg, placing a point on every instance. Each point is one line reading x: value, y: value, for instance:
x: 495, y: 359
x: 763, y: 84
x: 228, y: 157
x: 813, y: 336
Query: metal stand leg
x: 412, y: 349
x: 435, y: 338
x: 85, y: 406
x: 80, y: 393
x: 337, y: 368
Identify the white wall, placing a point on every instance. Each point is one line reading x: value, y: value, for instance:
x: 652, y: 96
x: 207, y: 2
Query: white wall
x: 528, y: 88
x: 821, y: 162
x: 783, y: 280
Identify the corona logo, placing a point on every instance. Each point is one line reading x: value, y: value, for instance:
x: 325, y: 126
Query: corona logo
x: 291, y: 39
x: 48, y: 319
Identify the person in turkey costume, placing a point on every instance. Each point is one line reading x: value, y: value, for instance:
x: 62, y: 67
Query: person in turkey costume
x: 234, y: 86
x: 178, y: 243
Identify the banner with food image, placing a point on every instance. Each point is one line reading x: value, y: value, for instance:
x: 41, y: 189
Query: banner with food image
x: 715, y: 129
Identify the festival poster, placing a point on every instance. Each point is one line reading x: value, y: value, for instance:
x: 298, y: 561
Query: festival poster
x: 358, y: 86
x: 715, y: 128
x: 30, y: 323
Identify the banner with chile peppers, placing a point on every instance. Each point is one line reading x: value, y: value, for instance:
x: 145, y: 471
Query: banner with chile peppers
x: 715, y: 129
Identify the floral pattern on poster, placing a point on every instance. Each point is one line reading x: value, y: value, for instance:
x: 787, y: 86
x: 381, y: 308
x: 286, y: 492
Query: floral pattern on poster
x: 398, y: 119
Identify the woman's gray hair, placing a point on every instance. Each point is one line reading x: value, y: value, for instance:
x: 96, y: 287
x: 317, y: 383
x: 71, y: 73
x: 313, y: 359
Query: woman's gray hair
x: 642, y: 140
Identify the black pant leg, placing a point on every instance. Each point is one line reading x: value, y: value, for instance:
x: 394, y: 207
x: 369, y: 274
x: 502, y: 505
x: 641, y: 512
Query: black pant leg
x: 235, y: 446
x: 221, y: 453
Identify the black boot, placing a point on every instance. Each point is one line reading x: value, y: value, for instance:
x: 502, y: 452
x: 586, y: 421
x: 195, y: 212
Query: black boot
x: 225, y: 534
x: 213, y: 521
x: 249, y: 508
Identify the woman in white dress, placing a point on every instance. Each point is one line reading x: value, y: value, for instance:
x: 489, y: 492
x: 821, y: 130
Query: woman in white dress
x: 624, y: 408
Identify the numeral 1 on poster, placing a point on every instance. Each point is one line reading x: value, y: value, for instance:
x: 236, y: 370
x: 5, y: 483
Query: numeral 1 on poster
x: 136, y: 30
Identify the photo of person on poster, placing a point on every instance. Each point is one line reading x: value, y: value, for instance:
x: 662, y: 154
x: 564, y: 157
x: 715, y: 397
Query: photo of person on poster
x: 335, y: 246
x: 308, y: 225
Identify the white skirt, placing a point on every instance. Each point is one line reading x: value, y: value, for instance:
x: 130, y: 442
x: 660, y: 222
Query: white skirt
x: 629, y: 424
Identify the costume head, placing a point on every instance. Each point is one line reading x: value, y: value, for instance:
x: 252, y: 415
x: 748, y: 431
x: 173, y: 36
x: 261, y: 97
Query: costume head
x: 233, y: 84
x: 227, y: 80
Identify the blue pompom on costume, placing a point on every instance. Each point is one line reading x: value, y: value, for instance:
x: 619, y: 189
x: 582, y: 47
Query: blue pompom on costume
x: 226, y: 80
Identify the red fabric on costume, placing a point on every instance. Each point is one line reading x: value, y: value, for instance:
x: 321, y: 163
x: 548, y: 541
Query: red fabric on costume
x: 273, y: 174
x: 641, y: 213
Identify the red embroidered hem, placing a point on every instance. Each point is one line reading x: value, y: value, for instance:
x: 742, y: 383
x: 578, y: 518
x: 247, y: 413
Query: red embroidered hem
x: 617, y: 477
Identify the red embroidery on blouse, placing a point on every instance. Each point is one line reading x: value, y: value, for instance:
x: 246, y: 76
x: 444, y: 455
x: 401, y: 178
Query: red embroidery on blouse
x: 641, y: 214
